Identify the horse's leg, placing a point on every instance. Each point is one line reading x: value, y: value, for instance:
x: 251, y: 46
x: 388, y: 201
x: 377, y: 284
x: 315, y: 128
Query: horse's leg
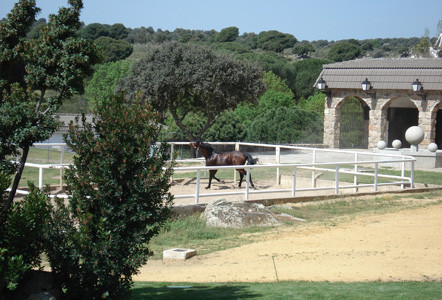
x: 210, y: 179
x: 241, y: 176
x: 214, y: 172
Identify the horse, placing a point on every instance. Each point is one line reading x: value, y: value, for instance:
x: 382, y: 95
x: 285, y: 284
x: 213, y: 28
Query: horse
x: 232, y: 158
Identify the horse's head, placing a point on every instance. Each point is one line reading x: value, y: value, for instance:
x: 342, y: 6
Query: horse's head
x: 195, y: 144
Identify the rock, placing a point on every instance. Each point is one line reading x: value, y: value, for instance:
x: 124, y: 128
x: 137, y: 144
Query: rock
x: 36, y: 285
x: 226, y: 214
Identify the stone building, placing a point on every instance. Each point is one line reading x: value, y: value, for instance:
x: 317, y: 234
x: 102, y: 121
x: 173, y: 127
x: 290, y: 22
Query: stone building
x: 394, y: 95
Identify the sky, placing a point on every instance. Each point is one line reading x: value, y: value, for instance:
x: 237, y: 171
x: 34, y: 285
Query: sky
x: 330, y: 20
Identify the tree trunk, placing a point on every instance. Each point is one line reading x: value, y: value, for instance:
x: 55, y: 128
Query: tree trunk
x: 17, y: 178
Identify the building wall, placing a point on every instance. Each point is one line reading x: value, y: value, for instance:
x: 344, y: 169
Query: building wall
x: 379, y: 104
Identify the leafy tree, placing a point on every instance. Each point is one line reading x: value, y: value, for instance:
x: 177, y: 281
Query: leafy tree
x: 275, y: 41
x: 422, y: 49
x: 104, y: 81
x: 228, y: 34
x: 273, y: 99
x: 343, y: 51
x: 306, y: 71
x: 303, y: 49
x: 275, y: 83
x: 34, y: 32
x: 113, y: 49
x: 140, y: 35
x: 93, y: 31
x: 119, y: 200
x: 314, y: 103
x: 234, y: 47
x: 118, y: 31
x: 286, y: 125
x: 56, y: 61
x: 183, y: 78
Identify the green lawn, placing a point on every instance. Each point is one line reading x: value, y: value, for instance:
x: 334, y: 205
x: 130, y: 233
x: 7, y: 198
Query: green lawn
x: 288, y: 290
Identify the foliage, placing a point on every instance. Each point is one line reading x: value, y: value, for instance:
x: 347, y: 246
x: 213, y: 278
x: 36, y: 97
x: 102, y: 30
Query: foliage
x: 314, y: 103
x: 343, y: 51
x: 184, y: 78
x: 113, y: 49
x: 286, y: 125
x: 306, y: 72
x: 57, y: 61
x: 105, y: 79
x: 118, y: 31
x: 422, y: 49
x: 303, y: 49
x: 234, y: 47
x: 119, y: 200
x: 275, y: 83
x: 352, y: 124
x: 93, y: 31
x: 275, y: 41
x: 228, y: 127
x: 21, y: 241
x: 273, y: 99
x: 228, y: 34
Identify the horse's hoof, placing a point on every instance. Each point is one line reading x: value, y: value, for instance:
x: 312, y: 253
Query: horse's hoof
x: 207, y: 187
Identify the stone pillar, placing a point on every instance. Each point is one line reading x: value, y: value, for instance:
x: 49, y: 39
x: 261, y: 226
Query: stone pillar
x: 331, y: 128
x: 375, y: 128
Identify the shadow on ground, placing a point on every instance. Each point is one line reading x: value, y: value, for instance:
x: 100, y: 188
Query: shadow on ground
x: 146, y: 291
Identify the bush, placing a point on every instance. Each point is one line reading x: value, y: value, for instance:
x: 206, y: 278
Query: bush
x: 21, y: 239
x: 286, y: 125
x: 119, y: 200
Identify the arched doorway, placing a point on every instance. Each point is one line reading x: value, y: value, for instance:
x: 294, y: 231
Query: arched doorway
x: 402, y: 113
x: 354, y: 119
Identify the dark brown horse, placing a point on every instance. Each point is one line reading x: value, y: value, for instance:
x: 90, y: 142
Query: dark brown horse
x: 232, y: 158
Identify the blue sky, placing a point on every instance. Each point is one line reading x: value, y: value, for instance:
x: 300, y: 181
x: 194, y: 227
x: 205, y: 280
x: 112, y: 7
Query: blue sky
x: 306, y: 20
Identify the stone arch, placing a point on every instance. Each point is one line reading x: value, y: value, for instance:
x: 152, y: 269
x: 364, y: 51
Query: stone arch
x: 352, y: 134
x: 398, y: 114
x: 436, y: 125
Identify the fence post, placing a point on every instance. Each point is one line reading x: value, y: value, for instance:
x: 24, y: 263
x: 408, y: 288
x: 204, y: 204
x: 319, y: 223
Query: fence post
x: 247, y: 183
x: 337, y: 180
x: 234, y: 171
x: 313, y: 172
x: 172, y: 150
x: 355, y: 179
x: 402, y: 174
x: 197, y: 193
x: 278, y: 161
x: 61, y: 168
x: 412, y: 175
x: 40, y: 178
x: 375, y: 177
x: 294, y: 182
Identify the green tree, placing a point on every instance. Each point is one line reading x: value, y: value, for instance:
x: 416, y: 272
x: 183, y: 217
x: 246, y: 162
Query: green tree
x: 422, y: 49
x: 118, y: 31
x: 275, y: 41
x: 113, y: 49
x: 306, y: 71
x: 93, y: 31
x: 228, y: 34
x: 182, y: 78
x: 303, y: 49
x: 103, y: 84
x: 275, y: 83
x: 343, y: 51
x: 57, y: 60
x: 119, y: 200
x: 314, y: 103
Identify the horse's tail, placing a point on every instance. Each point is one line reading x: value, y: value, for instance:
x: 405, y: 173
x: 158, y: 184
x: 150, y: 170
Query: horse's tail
x: 250, y: 160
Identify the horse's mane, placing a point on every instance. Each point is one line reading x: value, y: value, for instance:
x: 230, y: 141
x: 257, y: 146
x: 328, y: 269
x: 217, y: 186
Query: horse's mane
x: 210, y: 150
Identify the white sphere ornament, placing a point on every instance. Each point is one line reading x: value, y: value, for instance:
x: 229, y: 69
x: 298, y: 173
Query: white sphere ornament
x: 414, y: 135
x: 397, y: 144
x: 382, y: 145
x: 432, y: 147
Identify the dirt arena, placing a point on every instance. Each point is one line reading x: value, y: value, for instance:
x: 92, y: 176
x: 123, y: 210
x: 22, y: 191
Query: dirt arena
x: 405, y: 245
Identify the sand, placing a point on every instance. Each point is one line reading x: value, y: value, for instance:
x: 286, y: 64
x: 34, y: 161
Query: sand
x: 400, y: 246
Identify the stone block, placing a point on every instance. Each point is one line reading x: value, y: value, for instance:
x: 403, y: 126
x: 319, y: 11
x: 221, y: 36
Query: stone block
x: 178, y: 253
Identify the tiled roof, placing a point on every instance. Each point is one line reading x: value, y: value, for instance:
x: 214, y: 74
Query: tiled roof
x: 396, y: 74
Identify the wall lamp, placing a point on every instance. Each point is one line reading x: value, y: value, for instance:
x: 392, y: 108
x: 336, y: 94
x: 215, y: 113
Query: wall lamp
x: 322, y: 86
x: 367, y: 87
x: 418, y: 89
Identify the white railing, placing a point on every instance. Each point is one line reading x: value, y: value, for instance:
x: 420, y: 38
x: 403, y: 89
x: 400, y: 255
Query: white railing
x: 316, y: 154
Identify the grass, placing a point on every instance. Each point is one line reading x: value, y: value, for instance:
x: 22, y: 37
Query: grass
x: 288, y: 290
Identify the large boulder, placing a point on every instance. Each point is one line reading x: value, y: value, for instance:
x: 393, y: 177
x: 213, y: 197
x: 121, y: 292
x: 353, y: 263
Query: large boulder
x: 226, y: 214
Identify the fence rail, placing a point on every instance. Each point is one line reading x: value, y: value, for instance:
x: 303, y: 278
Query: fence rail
x: 314, y: 154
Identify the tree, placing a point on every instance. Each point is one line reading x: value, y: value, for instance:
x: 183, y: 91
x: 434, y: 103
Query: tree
x: 182, y: 78
x: 103, y: 84
x: 275, y: 83
x: 303, y: 49
x: 275, y: 41
x: 228, y: 34
x: 343, y: 51
x: 119, y: 200
x: 113, y: 49
x: 306, y: 72
x: 118, y: 31
x: 93, y: 31
x: 57, y: 60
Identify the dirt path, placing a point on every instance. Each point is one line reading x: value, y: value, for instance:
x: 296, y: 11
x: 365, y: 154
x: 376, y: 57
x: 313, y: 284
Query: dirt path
x: 406, y: 245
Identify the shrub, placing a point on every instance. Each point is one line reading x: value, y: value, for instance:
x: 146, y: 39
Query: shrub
x: 119, y: 200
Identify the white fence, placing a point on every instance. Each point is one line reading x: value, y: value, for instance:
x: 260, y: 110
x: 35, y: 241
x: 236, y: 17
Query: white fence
x: 315, y: 159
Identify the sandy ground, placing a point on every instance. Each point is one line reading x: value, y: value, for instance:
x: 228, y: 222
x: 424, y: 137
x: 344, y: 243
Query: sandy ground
x: 399, y: 246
